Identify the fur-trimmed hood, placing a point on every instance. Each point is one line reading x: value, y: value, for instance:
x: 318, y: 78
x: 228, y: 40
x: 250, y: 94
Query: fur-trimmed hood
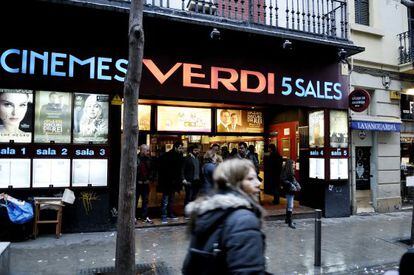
x: 217, y: 201
x: 207, y: 211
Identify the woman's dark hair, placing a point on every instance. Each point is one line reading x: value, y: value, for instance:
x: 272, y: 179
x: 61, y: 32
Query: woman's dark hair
x: 233, y: 152
x: 287, y: 170
x: 252, y: 149
x: 177, y: 144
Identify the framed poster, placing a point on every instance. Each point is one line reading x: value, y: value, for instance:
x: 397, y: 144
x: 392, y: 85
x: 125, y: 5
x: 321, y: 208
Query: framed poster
x: 407, y: 107
x: 89, y: 172
x: 15, y: 173
x: 317, y: 168
x: 338, y: 125
x: 316, y: 129
x: 90, y: 118
x: 51, y: 172
x: 144, y: 117
x: 239, y: 121
x: 53, y: 117
x: 16, y: 115
x: 183, y: 119
x: 339, y: 169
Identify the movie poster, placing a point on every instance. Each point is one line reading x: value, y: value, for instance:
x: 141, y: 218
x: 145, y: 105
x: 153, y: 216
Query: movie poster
x: 53, y: 117
x: 144, y: 117
x: 183, y: 119
x: 90, y: 118
x: 239, y: 121
x: 316, y: 129
x: 91, y: 172
x: 16, y: 115
x: 407, y: 107
x: 47, y: 172
x: 15, y: 172
x: 338, y: 129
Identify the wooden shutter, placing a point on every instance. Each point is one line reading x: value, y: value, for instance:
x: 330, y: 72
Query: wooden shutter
x: 362, y: 12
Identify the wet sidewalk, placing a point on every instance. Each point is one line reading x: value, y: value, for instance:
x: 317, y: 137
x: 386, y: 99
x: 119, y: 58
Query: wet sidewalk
x: 347, y: 244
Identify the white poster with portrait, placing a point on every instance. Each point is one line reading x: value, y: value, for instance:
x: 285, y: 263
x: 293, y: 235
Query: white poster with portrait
x: 89, y: 172
x: 316, y: 129
x: 90, y: 118
x: 338, y: 134
x: 16, y: 115
x: 15, y: 173
x: 51, y: 172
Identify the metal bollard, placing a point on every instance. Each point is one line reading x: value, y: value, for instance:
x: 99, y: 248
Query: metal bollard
x: 318, y: 236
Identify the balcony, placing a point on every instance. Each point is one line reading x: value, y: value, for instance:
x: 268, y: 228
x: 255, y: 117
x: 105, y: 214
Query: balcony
x: 405, y: 49
x: 325, y: 19
x: 315, y: 21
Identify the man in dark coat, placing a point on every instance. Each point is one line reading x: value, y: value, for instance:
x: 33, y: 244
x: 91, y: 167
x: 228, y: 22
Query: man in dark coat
x: 191, y: 174
x: 145, y: 174
x: 170, y: 179
x: 273, y: 166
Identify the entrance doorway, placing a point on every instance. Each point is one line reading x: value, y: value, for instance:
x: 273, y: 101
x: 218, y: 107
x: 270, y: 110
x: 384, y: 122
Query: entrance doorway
x: 363, y: 179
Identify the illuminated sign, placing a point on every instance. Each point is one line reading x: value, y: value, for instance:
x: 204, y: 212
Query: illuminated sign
x: 239, y: 121
x: 193, y: 75
x: 183, y: 119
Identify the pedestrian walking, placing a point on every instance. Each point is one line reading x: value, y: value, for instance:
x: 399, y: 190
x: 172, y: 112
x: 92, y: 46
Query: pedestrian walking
x: 291, y: 186
x: 145, y: 174
x: 273, y: 167
x: 226, y: 236
x: 191, y: 174
x: 207, y: 171
x: 170, y: 179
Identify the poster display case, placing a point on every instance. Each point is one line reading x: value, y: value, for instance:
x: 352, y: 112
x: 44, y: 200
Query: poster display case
x: 338, y: 169
x: 183, y: 119
x: 89, y: 172
x: 144, y: 117
x: 338, y: 129
x: 317, y: 168
x: 51, y: 173
x: 90, y: 118
x: 14, y: 173
x: 16, y: 115
x: 53, y: 114
x: 316, y: 129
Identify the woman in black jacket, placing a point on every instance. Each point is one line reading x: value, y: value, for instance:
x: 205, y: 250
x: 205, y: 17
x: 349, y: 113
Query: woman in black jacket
x: 290, y: 185
x: 225, y: 226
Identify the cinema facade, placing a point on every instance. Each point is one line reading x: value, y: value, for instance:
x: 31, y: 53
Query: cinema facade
x: 287, y: 87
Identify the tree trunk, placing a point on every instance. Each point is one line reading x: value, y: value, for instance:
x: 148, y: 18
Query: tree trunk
x: 412, y: 227
x: 125, y: 240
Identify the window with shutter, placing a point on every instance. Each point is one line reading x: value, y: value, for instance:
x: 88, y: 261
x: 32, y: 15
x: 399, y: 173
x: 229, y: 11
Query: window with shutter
x: 362, y: 12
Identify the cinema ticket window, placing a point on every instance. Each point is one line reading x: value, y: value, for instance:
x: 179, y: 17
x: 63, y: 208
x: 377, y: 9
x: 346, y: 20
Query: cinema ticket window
x: 89, y: 172
x: 14, y: 173
x: 183, y: 119
x: 338, y: 129
x: 53, y: 117
x: 90, y: 118
x: 16, y: 115
x: 316, y: 129
x: 51, y: 173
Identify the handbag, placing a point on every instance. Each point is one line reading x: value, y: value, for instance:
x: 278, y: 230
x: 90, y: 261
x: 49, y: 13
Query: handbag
x: 19, y: 212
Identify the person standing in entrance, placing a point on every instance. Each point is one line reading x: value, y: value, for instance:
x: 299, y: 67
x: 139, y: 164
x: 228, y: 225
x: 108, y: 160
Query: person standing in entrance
x: 273, y: 169
x: 244, y: 153
x: 291, y: 186
x: 207, y: 171
x: 145, y: 174
x: 191, y: 174
x: 170, y: 179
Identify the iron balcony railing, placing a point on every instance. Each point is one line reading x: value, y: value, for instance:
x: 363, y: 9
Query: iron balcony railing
x: 326, y: 18
x: 406, y: 47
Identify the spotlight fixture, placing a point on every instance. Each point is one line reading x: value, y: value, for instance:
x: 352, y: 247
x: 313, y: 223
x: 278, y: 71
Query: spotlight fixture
x: 342, y: 54
x: 287, y: 45
x: 215, y: 34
